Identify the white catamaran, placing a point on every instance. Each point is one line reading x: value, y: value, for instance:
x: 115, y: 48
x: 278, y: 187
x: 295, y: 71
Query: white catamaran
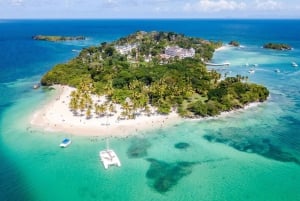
x: 109, y: 157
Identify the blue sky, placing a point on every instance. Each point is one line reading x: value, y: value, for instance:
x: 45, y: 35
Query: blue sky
x: 149, y: 9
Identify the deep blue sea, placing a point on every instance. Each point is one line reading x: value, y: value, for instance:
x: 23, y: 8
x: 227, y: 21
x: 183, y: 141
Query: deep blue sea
x: 253, y: 154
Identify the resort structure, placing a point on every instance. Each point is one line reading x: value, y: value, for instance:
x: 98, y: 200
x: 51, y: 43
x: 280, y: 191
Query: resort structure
x: 173, y: 51
x: 126, y: 49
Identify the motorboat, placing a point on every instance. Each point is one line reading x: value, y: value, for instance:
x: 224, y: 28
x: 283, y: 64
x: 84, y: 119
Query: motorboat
x: 36, y: 86
x: 294, y: 64
x: 66, y: 142
x: 251, y: 71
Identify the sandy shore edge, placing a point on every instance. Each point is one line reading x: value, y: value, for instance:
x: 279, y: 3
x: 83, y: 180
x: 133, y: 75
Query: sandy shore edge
x: 55, y: 116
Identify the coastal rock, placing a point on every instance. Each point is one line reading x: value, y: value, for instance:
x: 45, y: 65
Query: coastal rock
x: 234, y: 43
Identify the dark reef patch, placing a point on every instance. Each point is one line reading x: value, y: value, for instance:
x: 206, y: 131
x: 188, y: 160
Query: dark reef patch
x: 138, y: 148
x: 261, y: 146
x: 291, y: 120
x: 182, y: 145
x: 164, y: 176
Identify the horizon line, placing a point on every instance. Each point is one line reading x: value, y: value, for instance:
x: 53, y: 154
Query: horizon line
x: 150, y: 18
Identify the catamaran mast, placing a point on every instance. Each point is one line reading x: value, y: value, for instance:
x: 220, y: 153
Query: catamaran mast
x: 107, y: 144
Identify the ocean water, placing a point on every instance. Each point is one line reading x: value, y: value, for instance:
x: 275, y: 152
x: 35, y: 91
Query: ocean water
x: 252, y: 154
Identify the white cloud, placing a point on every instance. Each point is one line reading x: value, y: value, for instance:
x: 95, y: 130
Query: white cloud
x: 214, y: 6
x: 17, y: 2
x: 161, y: 9
x: 267, y: 5
x: 111, y: 3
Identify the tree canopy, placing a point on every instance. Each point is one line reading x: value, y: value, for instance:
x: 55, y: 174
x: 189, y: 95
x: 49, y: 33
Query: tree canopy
x: 277, y: 46
x: 134, y: 68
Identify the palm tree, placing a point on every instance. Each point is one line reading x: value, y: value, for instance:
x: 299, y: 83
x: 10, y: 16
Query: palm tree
x: 112, y: 108
x: 74, y: 94
x: 215, y: 76
x: 97, y: 109
x: 239, y: 77
x: 108, y: 88
x: 87, y: 99
x: 81, y: 105
x: 88, y: 113
x: 126, y: 109
x: 147, y: 110
x: 74, y: 105
x: 102, y: 109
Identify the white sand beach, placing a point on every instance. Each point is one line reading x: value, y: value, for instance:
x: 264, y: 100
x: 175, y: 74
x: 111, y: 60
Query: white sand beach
x: 224, y: 47
x: 57, y: 117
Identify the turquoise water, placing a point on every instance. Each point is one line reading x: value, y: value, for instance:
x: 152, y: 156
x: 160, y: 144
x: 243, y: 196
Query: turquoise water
x: 252, y: 154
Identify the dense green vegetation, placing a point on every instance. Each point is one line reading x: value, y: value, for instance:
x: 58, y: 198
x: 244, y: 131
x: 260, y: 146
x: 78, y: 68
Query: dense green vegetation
x: 234, y: 43
x: 57, y: 38
x: 277, y: 46
x: 135, y: 81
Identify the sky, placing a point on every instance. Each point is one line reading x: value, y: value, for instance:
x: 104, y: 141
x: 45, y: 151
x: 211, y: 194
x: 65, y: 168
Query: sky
x: 103, y: 9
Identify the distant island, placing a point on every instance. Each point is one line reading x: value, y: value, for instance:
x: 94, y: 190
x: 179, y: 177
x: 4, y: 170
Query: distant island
x: 277, y: 46
x: 234, y: 43
x: 152, y: 72
x: 57, y: 38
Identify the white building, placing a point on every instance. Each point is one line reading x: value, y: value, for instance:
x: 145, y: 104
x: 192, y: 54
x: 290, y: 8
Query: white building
x: 125, y: 49
x: 180, y: 52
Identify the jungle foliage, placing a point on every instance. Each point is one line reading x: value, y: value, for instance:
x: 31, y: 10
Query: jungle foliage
x: 168, y: 84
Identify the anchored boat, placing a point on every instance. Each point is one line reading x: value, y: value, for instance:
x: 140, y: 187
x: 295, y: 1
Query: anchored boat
x: 109, y: 157
x: 294, y: 64
x: 66, y: 142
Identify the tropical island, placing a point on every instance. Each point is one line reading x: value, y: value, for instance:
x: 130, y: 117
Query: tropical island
x: 57, y: 38
x: 277, y: 46
x: 150, y: 73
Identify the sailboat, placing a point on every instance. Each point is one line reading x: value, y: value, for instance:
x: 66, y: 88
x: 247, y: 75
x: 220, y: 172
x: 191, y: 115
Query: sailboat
x: 109, y: 157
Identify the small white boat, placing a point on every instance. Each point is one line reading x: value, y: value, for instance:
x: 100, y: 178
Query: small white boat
x: 294, y: 64
x: 66, y: 142
x: 109, y: 157
x: 36, y: 86
x: 277, y: 70
x: 251, y: 71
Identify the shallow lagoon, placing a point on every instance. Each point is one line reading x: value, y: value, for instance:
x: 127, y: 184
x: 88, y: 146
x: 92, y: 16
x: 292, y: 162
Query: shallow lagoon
x: 246, y: 155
